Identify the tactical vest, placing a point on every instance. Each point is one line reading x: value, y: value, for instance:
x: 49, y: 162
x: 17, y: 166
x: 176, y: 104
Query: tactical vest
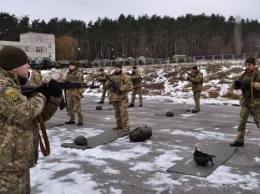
x: 247, y: 78
x: 71, y: 76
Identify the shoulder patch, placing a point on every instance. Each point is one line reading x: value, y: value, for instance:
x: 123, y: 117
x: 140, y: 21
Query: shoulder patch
x: 12, y: 94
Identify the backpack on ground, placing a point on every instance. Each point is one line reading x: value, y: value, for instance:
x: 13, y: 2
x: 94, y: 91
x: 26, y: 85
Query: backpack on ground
x: 140, y: 134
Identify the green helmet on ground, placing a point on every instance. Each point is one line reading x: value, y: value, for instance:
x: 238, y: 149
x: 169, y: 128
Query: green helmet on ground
x: 201, y: 158
x: 81, y: 140
x: 169, y: 114
x: 98, y: 107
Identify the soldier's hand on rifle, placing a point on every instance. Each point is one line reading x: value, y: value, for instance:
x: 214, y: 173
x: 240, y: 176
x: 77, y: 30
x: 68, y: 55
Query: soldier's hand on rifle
x: 54, y: 88
x: 238, y: 84
x: 241, y: 84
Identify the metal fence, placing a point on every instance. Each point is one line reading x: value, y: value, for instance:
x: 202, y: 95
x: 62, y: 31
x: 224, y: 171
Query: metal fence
x: 184, y: 59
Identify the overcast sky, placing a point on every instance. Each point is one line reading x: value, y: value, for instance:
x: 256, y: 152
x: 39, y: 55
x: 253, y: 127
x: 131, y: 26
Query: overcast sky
x: 87, y: 10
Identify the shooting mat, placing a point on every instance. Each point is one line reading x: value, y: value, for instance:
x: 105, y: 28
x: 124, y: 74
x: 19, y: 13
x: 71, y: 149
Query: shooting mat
x: 188, y: 165
x: 103, y: 138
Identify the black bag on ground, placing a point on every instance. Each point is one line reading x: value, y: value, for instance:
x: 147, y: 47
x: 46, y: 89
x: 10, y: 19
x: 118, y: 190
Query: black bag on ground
x: 140, y: 134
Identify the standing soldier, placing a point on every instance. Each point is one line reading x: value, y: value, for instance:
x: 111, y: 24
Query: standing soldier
x: 74, y: 96
x: 196, y: 78
x: 36, y: 77
x: 137, y: 87
x: 102, y: 78
x: 249, y: 81
x: 119, y: 84
x: 19, y: 120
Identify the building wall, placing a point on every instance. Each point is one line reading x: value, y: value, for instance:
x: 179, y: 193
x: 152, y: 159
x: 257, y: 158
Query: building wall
x: 36, y: 45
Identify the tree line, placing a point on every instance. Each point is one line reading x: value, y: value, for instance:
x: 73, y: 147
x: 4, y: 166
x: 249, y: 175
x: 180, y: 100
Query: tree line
x: 127, y: 36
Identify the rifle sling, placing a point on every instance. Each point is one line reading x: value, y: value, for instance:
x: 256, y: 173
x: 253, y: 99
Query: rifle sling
x: 45, y: 146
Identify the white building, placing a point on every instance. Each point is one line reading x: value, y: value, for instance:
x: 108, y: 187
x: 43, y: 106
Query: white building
x: 36, y: 45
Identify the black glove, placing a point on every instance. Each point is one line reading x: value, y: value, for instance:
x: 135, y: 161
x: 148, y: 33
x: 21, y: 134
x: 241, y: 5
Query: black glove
x: 54, y: 88
x: 45, y: 91
x: 238, y: 84
x: 241, y: 84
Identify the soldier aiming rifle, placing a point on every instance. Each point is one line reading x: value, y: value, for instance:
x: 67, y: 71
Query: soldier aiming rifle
x: 29, y: 90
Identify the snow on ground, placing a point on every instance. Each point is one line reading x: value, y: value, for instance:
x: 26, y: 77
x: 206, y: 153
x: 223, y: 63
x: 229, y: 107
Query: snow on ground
x: 42, y: 175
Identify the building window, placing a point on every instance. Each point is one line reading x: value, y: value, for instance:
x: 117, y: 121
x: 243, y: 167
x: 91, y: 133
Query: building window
x: 26, y: 49
x: 38, y: 50
x: 38, y: 39
x: 49, y: 55
x: 49, y: 45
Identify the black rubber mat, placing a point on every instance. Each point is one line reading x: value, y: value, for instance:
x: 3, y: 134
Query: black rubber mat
x: 103, y: 138
x: 188, y: 165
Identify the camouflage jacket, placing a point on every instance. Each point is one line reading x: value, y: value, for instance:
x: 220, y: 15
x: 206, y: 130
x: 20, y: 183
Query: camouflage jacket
x: 102, y: 78
x: 19, y: 133
x: 248, y: 78
x: 75, y: 75
x: 197, y: 80
x: 136, y: 79
x: 36, y: 78
x: 125, y: 84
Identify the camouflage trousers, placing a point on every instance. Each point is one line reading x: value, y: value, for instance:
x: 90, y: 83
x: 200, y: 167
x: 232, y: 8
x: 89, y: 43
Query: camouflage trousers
x: 139, y: 92
x: 104, y: 91
x: 15, y: 182
x: 196, y: 97
x: 244, y: 114
x: 74, y: 105
x: 121, y: 114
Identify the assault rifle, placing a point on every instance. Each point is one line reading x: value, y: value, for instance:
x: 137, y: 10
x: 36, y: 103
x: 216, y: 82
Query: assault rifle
x: 188, y: 73
x: 97, y: 75
x: 245, y: 87
x: 114, y: 85
x: 66, y: 85
x: 128, y: 73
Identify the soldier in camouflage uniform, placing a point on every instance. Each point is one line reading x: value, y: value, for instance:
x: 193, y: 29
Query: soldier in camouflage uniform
x: 102, y: 78
x: 36, y: 77
x: 19, y: 133
x: 120, y: 100
x: 74, y: 96
x: 196, y: 78
x: 251, y: 77
x: 137, y: 87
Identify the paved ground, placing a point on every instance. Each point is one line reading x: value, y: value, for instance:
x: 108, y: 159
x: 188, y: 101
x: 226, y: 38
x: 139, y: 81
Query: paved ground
x: 176, y: 136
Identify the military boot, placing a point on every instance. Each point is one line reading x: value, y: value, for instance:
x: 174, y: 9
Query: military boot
x: 70, y: 122
x: 80, y: 123
x: 237, y: 144
x: 131, y: 105
x: 117, y: 127
x: 126, y: 129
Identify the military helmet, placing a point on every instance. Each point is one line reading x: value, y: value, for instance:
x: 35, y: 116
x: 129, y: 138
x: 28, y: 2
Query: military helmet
x: 169, y: 114
x: 98, y: 107
x: 81, y: 140
x: 147, y: 131
x: 201, y: 158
